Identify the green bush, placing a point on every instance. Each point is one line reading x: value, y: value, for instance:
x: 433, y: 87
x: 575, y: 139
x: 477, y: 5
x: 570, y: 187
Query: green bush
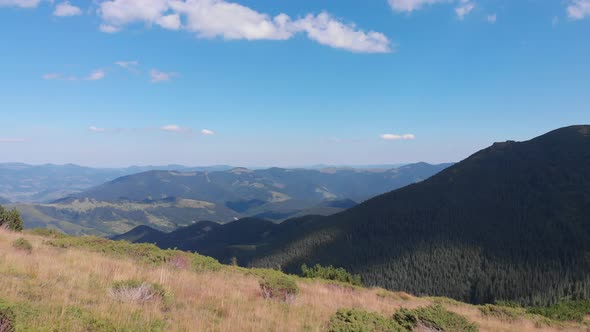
x: 143, y: 252
x: 564, y: 311
x: 7, y: 317
x: 502, y: 312
x: 22, y: 244
x: 434, y: 317
x: 353, y: 320
x: 137, y: 291
x: 276, y: 285
x: 330, y: 273
x: 46, y: 232
x: 11, y: 219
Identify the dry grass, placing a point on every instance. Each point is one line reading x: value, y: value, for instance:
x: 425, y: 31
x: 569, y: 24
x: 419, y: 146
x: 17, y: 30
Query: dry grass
x: 68, y: 290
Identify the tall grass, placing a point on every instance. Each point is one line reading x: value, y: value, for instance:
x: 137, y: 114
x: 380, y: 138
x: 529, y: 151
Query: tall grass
x: 68, y: 286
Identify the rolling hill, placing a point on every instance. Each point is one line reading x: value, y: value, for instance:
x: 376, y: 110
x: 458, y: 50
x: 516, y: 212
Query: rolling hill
x: 166, y: 200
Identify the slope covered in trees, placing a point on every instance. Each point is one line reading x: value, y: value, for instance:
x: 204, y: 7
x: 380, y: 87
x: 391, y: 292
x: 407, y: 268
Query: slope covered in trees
x: 511, y: 222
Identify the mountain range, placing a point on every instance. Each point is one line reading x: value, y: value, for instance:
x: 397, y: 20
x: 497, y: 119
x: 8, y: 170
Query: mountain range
x: 509, y: 223
x: 26, y: 183
x: 167, y: 199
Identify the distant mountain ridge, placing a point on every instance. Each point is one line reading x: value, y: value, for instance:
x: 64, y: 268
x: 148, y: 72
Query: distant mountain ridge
x: 21, y: 182
x: 166, y: 200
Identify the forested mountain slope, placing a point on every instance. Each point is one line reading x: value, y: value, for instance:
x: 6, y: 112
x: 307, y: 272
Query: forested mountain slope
x: 511, y: 222
x: 166, y: 200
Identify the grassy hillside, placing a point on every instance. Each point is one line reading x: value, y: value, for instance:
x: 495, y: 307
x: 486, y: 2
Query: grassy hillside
x: 90, y: 284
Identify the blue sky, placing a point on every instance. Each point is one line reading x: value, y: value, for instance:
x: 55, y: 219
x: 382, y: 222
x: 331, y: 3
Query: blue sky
x: 286, y: 83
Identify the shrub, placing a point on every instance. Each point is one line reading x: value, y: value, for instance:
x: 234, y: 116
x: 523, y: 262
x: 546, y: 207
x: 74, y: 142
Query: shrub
x: 22, y: 244
x: 137, y: 291
x: 353, y: 320
x: 434, y: 317
x: 564, y: 311
x: 46, y: 232
x: 10, y: 219
x: 279, y: 286
x: 330, y: 273
x: 7, y: 317
x: 502, y: 312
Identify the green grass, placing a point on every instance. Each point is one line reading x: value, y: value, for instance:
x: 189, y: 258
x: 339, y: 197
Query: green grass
x: 354, y: 320
x: 564, y: 311
x: 434, y: 317
x: 22, y: 244
x: 331, y: 273
x: 503, y: 312
x: 277, y: 285
x: 142, y: 252
x: 46, y: 232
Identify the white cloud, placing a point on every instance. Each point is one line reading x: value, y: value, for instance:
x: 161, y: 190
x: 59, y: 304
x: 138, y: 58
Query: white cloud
x: 117, y: 13
x: 172, y: 128
x: 396, y: 137
x: 20, y: 3
x: 464, y: 9
x: 218, y: 18
x: 229, y: 20
x: 96, y: 75
x: 207, y: 132
x: 13, y: 140
x: 159, y: 76
x: 97, y: 129
x: 326, y: 30
x: 491, y: 18
x: 170, y: 22
x: 52, y: 76
x: 66, y: 9
x: 578, y: 9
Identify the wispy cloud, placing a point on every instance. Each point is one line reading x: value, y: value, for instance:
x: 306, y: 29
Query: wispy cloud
x: 462, y: 9
x: 231, y: 21
x: 107, y: 28
x: 207, y: 132
x: 20, y: 3
x: 97, y: 129
x: 465, y: 7
x: 130, y: 66
x: 160, y: 76
x: 491, y: 18
x: 66, y: 9
x: 578, y: 9
x: 52, y: 76
x: 172, y: 128
x: 411, y: 5
x: 96, y: 75
x: 396, y: 137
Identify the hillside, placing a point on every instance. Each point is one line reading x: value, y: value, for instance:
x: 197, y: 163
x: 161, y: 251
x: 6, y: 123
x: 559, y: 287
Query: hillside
x: 166, y: 200
x: 89, y: 284
x: 45, y: 183
x: 511, y: 222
